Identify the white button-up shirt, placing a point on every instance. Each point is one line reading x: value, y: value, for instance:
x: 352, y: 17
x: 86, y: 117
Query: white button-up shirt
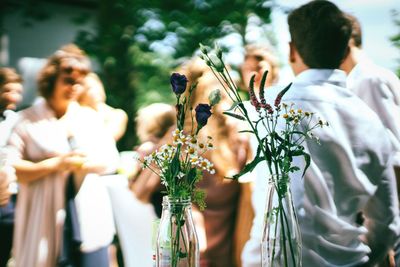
x: 379, y: 88
x: 350, y: 172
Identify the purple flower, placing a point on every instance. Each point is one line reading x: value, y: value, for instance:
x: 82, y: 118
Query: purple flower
x: 178, y: 83
x: 203, y: 112
x: 281, y: 94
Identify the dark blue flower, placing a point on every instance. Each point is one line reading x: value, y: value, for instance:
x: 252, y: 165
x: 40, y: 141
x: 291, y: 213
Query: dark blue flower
x: 178, y: 83
x: 203, y: 112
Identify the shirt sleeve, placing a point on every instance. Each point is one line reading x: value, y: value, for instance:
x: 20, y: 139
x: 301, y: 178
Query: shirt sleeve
x: 16, y: 144
x: 383, y: 96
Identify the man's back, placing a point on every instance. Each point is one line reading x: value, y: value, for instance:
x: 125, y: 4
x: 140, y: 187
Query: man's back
x: 349, y: 173
x: 379, y: 88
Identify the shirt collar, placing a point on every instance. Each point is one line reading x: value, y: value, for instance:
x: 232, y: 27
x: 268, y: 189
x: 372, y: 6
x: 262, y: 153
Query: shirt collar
x: 314, y: 76
x: 48, y: 112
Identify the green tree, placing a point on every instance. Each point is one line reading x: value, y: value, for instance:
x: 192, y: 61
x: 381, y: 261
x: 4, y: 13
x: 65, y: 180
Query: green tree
x: 138, y: 42
x: 396, y: 39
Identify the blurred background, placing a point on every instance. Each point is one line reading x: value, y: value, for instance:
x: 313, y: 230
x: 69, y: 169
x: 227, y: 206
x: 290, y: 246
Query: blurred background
x: 134, y: 45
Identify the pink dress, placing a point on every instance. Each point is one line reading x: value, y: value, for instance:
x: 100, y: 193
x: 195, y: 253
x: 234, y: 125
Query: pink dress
x: 40, y: 206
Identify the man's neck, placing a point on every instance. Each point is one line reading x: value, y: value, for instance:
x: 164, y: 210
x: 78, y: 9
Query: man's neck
x: 354, y: 57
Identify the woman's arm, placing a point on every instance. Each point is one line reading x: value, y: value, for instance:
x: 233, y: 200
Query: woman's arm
x: 28, y: 171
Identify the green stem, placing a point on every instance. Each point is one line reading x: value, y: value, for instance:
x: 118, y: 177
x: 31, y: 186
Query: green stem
x: 283, y: 230
x: 290, y: 237
x: 273, y: 247
x: 175, y: 252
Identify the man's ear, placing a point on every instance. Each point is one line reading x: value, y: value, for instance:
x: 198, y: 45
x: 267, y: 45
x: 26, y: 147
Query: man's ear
x: 292, y: 52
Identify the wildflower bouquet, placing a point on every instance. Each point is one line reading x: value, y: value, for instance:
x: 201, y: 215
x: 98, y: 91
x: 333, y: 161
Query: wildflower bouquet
x: 180, y: 165
x: 285, y: 128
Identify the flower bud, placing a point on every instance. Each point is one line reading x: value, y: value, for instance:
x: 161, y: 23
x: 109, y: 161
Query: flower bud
x: 218, y: 51
x: 214, y: 97
x: 204, y: 49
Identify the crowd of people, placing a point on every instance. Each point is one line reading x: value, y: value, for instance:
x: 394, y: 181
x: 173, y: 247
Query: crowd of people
x: 55, y: 209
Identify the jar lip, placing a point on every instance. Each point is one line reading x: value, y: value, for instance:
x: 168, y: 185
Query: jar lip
x: 273, y: 177
x: 182, y: 200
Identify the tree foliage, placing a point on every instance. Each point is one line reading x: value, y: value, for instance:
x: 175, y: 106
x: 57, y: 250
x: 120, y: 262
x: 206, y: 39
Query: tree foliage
x: 396, y: 38
x: 139, y: 42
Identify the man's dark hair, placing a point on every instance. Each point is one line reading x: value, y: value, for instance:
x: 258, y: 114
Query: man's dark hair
x: 320, y: 32
x: 356, y: 33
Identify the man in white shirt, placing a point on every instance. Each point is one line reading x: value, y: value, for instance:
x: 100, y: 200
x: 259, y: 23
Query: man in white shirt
x: 350, y: 170
x: 378, y: 87
x: 10, y: 96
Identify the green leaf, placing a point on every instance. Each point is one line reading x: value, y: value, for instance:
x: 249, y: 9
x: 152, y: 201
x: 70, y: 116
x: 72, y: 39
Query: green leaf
x: 307, y: 158
x: 268, y: 154
x: 298, y: 132
x: 246, y: 131
x: 175, y: 165
x: 248, y: 167
x: 191, y: 176
x: 276, y: 136
x: 294, y: 168
x: 234, y: 106
x: 236, y: 116
x: 198, y: 197
x: 297, y: 152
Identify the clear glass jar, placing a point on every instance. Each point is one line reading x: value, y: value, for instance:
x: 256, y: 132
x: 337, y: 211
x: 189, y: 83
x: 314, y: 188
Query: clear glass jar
x: 177, y: 242
x: 281, y: 240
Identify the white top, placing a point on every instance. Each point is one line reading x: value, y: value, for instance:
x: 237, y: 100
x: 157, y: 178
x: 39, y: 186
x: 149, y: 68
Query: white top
x: 7, y: 172
x: 379, y: 88
x: 350, y: 172
x: 40, y: 207
x: 6, y: 126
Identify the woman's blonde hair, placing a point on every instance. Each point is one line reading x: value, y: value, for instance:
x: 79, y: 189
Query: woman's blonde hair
x: 223, y: 157
x: 153, y: 121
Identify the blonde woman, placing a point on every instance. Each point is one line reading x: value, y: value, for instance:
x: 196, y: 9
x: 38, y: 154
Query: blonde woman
x: 94, y: 96
x: 216, y: 224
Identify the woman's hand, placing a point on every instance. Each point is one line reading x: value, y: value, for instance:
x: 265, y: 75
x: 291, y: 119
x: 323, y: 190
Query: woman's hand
x: 72, y: 161
x: 28, y: 171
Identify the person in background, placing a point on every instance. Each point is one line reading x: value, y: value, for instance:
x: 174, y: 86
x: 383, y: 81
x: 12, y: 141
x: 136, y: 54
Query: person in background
x: 94, y: 97
x: 350, y: 169
x: 54, y: 140
x: 153, y: 124
x: 259, y: 58
x: 216, y: 225
x: 10, y: 95
x: 378, y: 87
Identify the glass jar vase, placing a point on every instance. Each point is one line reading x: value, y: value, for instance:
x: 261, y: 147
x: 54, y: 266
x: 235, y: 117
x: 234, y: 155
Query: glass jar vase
x: 177, y: 242
x: 281, y: 239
